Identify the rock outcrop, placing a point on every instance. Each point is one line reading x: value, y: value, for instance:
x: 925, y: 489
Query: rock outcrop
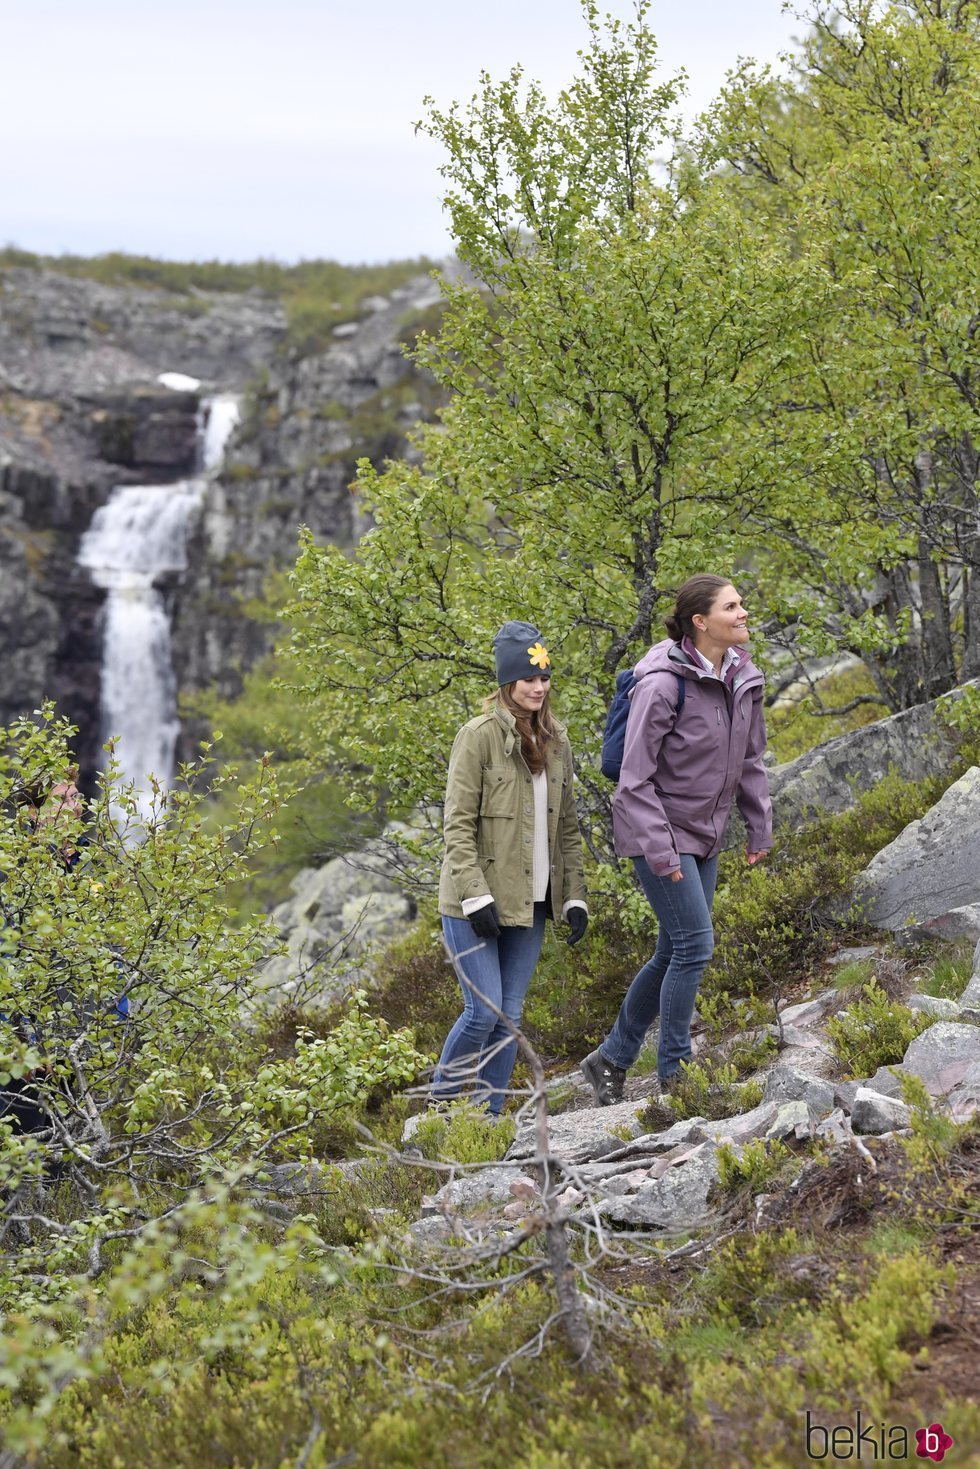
x: 307, y: 420
x: 931, y: 867
x: 338, y: 913
x: 81, y: 410
x: 67, y: 339
x: 610, y: 1168
x: 913, y: 744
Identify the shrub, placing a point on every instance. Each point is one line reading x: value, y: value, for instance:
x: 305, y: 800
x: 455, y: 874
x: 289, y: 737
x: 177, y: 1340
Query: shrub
x: 773, y: 920
x: 752, y: 1167
x: 876, y: 1031
x: 747, y: 1280
x: 706, y: 1088
x: 383, y: 1196
x: 463, y: 1134
x: 415, y: 985
x: 934, y: 1135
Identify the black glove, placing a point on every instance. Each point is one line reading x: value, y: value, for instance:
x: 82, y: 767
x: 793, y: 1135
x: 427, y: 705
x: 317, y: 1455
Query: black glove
x: 578, y: 922
x: 484, y: 922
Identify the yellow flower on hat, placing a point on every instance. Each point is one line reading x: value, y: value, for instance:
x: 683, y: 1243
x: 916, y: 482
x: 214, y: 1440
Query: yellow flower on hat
x: 539, y: 655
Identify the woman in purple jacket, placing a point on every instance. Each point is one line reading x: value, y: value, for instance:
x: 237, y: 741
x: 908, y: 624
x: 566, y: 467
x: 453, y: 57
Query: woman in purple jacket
x: 681, y: 772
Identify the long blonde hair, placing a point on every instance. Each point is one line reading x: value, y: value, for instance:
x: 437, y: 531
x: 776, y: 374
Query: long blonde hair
x: 536, y: 730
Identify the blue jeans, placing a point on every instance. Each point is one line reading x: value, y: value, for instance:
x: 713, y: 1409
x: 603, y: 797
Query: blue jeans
x: 667, y: 985
x: 480, y: 1048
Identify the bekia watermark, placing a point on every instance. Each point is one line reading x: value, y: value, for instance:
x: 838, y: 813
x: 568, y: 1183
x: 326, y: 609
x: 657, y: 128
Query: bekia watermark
x: 870, y: 1442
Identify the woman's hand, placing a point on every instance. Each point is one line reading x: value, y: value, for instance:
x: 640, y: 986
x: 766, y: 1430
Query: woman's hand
x: 753, y: 857
x: 677, y: 876
x: 485, y: 923
x: 578, y: 922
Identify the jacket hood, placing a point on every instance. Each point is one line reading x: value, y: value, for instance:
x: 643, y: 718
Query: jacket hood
x: 669, y: 657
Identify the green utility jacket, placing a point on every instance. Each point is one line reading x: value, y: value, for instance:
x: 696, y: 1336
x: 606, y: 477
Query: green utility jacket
x: 488, y: 823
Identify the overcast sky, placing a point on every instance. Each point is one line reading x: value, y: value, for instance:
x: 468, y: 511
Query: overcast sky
x: 198, y: 129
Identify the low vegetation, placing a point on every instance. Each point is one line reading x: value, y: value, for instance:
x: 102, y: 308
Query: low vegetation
x: 317, y: 295
x: 873, y: 1032
x: 206, y: 1255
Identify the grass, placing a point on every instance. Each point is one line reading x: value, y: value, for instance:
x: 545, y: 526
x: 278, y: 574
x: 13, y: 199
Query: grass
x: 951, y: 973
x: 854, y: 975
x: 317, y: 294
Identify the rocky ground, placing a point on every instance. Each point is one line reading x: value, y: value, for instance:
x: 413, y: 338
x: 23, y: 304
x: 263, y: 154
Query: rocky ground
x: 642, y: 1167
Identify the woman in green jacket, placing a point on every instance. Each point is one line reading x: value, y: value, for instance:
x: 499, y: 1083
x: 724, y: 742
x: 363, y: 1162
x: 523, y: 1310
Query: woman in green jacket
x: 513, y: 857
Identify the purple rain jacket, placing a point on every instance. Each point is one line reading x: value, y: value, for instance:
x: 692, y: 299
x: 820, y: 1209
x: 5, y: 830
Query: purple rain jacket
x: 678, y: 781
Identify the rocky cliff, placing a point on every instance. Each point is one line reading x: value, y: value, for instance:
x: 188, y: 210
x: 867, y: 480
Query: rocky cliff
x: 306, y: 422
x: 82, y: 410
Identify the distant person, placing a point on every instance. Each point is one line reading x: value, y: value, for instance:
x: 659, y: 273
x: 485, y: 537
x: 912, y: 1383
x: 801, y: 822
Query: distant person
x: 685, y: 761
x: 513, y: 857
x: 54, y: 821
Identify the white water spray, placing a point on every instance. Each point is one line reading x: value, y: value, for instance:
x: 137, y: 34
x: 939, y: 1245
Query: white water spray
x: 135, y: 540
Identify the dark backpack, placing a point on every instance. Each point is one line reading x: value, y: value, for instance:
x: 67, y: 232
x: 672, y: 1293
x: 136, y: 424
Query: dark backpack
x: 614, y: 734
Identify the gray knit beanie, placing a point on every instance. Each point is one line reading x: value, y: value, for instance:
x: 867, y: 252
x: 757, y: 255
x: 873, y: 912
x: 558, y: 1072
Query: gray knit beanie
x: 520, y: 653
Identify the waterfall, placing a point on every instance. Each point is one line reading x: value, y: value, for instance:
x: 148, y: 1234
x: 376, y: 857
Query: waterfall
x: 135, y: 540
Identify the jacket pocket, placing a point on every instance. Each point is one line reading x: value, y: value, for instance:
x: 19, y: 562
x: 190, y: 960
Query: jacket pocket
x: 498, y: 798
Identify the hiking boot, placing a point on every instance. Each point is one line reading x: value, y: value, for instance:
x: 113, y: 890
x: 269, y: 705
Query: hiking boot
x: 606, y: 1081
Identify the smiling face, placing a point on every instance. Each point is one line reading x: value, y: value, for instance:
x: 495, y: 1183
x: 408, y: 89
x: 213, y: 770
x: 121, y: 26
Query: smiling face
x: 65, y: 801
x: 530, y: 693
x: 724, y: 625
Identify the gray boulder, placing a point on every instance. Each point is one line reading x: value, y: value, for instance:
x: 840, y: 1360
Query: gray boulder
x: 577, y: 1136
x: 958, y: 923
x: 932, y: 867
x: 794, y: 1120
x: 813, y: 1010
x: 431, y: 1232
x: 964, y: 1099
x: 943, y: 1055
x: 834, y: 1129
x: 873, y: 1113
x: 673, y: 1198
x: 913, y: 743
x: 483, y: 1189
x: 933, y: 1005
x: 970, y: 998
x: 336, y: 914
x: 887, y: 1081
x: 624, y: 1157
x: 744, y: 1126
x: 854, y: 954
x: 788, y: 1084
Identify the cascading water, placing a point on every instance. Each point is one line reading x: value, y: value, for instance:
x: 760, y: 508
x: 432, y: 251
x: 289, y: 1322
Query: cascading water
x: 136, y: 539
